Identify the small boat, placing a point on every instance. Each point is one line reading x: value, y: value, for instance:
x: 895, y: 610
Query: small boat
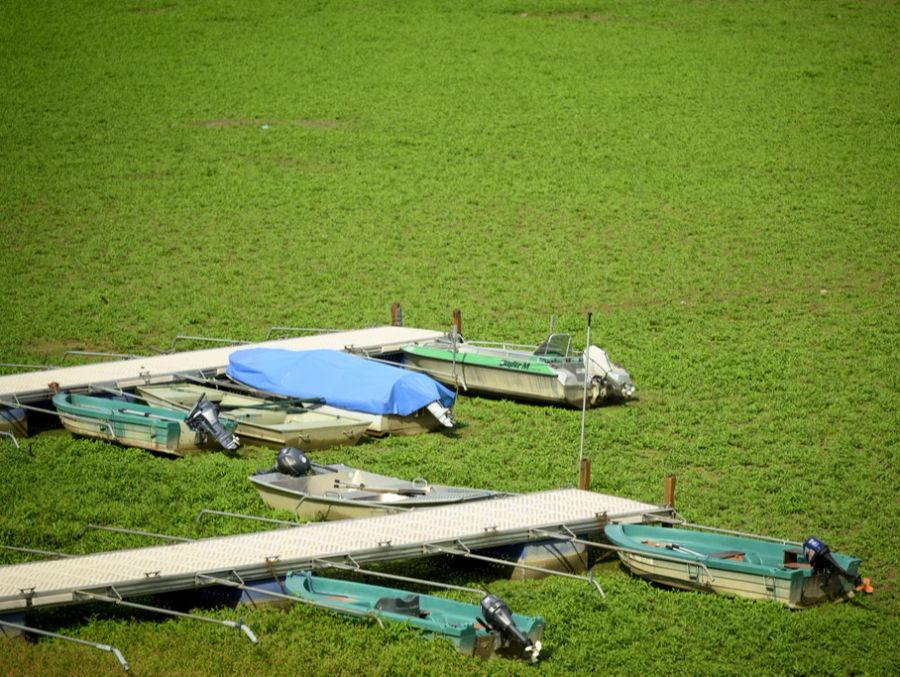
x: 333, y: 492
x: 737, y: 565
x: 137, y: 425
x: 549, y: 372
x: 275, y: 423
x: 482, y: 630
x: 410, y: 402
x: 14, y: 421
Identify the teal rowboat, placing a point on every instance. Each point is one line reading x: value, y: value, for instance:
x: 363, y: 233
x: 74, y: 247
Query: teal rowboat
x: 137, y: 425
x: 549, y: 372
x: 475, y: 630
x: 735, y: 565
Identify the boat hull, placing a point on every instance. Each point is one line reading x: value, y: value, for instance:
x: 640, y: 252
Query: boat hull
x: 129, y: 424
x: 760, y: 570
x: 14, y: 421
x: 306, y: 428
x: 514, y: 378
x: 328, y: 493
x: 383, y: 425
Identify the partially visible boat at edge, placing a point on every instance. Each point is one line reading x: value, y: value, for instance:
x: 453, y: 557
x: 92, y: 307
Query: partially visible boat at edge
x: 482, y: 630
x: 137, y: 425
x: 275, y: 423
x: 14, y: 420
x: 333, y: 492
x: 549, y: 372
x: 737, y: 565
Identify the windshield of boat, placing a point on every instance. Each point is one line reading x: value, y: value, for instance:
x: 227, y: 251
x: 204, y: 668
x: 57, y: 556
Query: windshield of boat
x: 555, y: 345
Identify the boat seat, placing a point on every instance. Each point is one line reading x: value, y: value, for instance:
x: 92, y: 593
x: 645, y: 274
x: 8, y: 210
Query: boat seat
x: 792, y: 559
x: 407, y: 606
x: 727, y: 554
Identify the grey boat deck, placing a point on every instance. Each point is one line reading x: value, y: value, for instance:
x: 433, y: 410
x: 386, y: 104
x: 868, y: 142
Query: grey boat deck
x: 33, y: 386
x: 259, y: 555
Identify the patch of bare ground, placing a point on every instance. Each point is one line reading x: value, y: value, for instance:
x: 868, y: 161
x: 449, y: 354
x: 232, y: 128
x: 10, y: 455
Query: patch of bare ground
x: 578, y: 16
x: 144, y: 9
x: 326, y: 123
x: 53, y: 350
x: 313, y: 123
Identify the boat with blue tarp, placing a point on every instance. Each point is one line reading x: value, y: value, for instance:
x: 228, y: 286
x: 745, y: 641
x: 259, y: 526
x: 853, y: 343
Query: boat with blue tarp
x: 342, y: 380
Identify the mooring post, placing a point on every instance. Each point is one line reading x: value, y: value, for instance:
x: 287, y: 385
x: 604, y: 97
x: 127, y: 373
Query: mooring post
x: 457, y: 321
x: 669, y: 491
x: 584, y: 474
x: 396, y: 315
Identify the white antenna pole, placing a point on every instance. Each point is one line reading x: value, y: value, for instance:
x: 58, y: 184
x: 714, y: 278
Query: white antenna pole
x: 584, y: 395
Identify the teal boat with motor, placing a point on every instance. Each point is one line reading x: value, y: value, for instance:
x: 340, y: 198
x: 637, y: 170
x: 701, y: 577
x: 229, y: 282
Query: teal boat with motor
x: 153, y: 428
x: 482, y: 630
x: 737, y: 565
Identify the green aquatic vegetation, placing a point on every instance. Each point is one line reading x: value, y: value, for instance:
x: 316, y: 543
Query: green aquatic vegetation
x: 715, y: 181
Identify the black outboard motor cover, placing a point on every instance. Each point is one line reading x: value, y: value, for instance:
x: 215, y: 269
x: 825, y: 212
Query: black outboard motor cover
x: 204, y: 417
x: 291, y: 461
x: 499, y: 618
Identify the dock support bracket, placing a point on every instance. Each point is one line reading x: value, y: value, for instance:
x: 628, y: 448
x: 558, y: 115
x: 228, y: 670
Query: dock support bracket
x: 464, y: 551
x: 238, y: 625
x: 96, y: 645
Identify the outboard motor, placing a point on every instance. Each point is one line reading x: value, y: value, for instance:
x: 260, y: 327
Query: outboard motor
x: 204, y: 417
x: 611, y: 379
x: 819, y: 556
x: 498, y: 617
x: 291, y: 461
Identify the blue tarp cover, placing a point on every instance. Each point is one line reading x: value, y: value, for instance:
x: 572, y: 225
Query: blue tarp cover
x: 341, y: 379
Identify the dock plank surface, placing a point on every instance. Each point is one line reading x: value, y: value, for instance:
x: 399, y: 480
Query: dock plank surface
x: 255, y: 556
x: 34, y: 385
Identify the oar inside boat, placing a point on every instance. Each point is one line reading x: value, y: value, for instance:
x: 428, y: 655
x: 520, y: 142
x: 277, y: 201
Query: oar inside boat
x: 403, y: 491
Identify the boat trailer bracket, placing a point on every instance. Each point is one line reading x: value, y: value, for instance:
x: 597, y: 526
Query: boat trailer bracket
x: 354, y: 566
x: 463, y: 550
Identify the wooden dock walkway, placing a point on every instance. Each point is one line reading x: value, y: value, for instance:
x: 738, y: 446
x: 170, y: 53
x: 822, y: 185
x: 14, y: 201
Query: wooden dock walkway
x: 33, y: 386
x: 257, y: 556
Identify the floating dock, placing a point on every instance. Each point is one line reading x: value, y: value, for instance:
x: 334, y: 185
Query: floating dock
x: 34, y: 386
x: 455, y: 529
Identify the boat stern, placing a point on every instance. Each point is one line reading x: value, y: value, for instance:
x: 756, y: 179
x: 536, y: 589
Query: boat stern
x: 608, y: 380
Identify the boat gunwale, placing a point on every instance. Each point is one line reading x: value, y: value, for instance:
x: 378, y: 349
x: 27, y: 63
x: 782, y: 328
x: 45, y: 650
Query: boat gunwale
x: 533, y: 365
x: 400, y: 503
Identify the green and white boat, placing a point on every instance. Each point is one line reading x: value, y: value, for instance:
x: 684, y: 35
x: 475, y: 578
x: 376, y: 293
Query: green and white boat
x: 550, y: 372
x: 737, y: 565
x: 275, y: 423
x: 131, y: 424
x: 481, y: 630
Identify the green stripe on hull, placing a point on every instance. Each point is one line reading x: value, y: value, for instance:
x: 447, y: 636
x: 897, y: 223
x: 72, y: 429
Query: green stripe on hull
x: 535, y: 366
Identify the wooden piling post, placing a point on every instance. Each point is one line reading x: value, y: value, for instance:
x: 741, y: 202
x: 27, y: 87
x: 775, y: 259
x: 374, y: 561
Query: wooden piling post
x: 584, y: 474
x: 396, y: 315
x: 457, y: 321
x: 669, y: 491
